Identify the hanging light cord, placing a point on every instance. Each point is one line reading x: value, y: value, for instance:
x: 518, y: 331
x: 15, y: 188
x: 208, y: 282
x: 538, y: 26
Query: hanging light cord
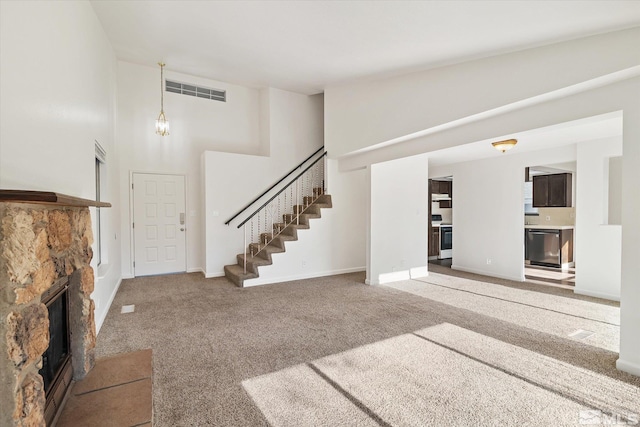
x: 161, y: 64
x: 162, y: 124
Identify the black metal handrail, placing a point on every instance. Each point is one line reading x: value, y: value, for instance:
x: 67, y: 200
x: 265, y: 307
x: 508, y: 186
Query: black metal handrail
x: 282, y: 189
x: 273, y: 186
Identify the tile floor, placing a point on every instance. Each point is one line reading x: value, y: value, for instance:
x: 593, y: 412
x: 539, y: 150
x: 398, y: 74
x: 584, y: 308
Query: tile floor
x: 536, y: 274
x: 549, y: 275
x: 117, y: 392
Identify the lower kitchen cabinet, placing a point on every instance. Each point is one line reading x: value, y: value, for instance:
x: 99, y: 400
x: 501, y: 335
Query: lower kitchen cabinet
x: 434, y: 242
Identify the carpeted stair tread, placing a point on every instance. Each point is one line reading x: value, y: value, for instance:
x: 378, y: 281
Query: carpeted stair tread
x: 236, y: 274
x: 253, y: 262
x: 310, y: 215
x: 282, y: 232
x: 300, y: 226
x: 272, y: 248
x: 286, y: 237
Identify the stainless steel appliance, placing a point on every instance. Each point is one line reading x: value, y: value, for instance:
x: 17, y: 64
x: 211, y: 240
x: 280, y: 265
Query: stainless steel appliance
x: 446, y: 240
x: 543, y: 247
x: 445, y: 236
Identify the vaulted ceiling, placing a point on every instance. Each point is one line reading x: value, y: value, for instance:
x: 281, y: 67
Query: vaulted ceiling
x: 305, y: 46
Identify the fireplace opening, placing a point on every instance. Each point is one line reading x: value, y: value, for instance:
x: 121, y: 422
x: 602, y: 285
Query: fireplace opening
x: 56, y: 369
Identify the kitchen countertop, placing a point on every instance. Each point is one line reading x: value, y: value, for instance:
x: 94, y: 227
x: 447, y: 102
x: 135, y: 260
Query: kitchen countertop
x: 549, y: 227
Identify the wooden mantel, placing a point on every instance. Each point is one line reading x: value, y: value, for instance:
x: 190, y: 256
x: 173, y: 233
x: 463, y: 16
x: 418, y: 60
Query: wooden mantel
x: 47, y: 198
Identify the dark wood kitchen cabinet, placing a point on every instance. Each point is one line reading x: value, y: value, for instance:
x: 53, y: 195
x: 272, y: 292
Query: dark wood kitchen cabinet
x: 552, y: 191
x: 434, y: 241
x: 442, y: 187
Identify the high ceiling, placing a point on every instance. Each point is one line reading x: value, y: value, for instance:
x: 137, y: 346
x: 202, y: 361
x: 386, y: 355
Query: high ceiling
x: 305, y: 46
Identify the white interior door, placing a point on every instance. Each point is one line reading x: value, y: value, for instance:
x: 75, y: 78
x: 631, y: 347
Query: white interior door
x: 159, y: 235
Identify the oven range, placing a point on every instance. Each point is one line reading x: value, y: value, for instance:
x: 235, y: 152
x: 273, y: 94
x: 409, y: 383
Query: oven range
x: 446, y: 236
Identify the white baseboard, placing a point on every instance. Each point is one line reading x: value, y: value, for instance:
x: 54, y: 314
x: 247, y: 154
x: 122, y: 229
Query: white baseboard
x: 394, y: 276
x: 127, y: 276
x: 632, y: 368
x: 103, y: 316
x: 195, y: 270
x: 212, y: 275
x: 602, y: 295
x: 262, y: 281
x: 398, y: 276
x: 419, y: 272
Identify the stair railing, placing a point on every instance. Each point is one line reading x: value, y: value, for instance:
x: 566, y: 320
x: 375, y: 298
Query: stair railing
x: 248, y: 205
x: 283, y: 208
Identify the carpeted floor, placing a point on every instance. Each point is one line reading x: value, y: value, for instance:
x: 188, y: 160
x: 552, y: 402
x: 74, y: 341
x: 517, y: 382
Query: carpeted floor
x: 333, y: 351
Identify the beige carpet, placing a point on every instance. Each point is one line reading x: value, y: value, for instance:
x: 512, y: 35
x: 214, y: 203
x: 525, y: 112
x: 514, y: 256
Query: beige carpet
x: 331, y: 335
x: 442, y: 375
x: 527, y: 309
x: 410, y: 381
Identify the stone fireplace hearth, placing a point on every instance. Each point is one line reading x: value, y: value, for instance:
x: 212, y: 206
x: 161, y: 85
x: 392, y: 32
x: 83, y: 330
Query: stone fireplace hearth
x: 45, y: 238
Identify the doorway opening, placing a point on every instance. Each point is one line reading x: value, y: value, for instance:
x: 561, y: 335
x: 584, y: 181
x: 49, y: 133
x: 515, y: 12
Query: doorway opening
x: 549, y: 224
x: 440, y: 229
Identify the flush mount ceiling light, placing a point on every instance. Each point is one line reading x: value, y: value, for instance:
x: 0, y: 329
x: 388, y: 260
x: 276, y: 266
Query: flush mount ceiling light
x: 162, y: 124
x: 505, y: 145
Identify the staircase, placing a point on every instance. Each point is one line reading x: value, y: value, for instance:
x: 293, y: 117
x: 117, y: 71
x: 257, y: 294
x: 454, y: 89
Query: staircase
x: 278, y: 220
x: 259, y: 254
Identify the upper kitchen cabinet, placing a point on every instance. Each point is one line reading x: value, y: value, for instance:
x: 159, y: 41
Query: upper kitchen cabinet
x: 442, y: 188
x: 552, y: 191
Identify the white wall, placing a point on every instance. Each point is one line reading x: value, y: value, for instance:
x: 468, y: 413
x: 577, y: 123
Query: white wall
x: 488, y: 210
x: 364, y: 114
x: 488, y: 215
x: 573, y: 104
x: 295, y: 131
x: 599, y: 244
x: 58, y: 79
x: 488, y: 229
x: 333, y: 244
x: 398, y: 220
x: 196, y: 125
x: 614, y: 196
x: 630, y: 291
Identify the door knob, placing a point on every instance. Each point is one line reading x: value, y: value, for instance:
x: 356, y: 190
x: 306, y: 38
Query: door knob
x: 182, y: 229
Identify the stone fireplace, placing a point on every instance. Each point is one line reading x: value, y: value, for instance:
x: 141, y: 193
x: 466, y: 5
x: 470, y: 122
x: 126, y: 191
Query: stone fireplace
x: 45, y: 249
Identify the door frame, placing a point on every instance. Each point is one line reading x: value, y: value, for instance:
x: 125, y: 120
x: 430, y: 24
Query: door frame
x: 132, y: 248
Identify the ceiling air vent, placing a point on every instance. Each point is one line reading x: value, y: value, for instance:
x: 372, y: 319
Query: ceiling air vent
x: 198, y: 91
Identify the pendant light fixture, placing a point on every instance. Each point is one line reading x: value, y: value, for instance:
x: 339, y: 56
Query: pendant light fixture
x: 162, y: 124
x: 505, y: 145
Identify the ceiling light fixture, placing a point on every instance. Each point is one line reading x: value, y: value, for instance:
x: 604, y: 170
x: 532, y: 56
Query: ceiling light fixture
x: 505, y: 145
x: 162, y: 124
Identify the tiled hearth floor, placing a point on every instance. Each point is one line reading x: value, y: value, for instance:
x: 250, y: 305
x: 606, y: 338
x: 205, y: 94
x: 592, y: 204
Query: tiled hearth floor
x: 117, y: 392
